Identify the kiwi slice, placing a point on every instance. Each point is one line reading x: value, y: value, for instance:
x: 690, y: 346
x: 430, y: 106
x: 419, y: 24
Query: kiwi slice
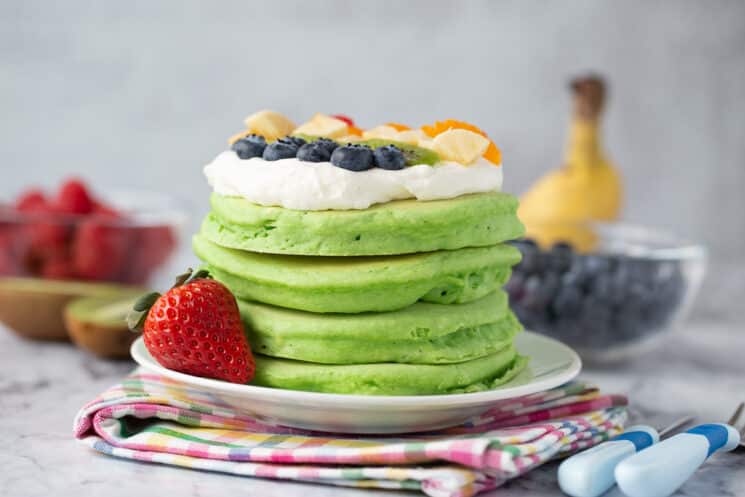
x: 99, y: 324
x: 413, y: 154
x: 307, y: 138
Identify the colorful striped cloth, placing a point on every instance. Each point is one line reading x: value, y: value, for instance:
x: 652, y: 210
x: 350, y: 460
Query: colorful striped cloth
x: 151, y: 418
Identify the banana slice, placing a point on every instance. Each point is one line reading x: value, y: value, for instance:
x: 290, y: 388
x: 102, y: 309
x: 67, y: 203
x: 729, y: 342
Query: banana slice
x: 238, y: 136
x: 269, y: 124
x: 323, y: 125
x: 412, y: 136
x: 460, y: 145
x: 380, y: 132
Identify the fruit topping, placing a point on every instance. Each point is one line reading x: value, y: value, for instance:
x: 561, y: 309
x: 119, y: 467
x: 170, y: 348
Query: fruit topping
x: 413, y: 136
x: 330, y: 145
x: 240, y: 135
x: 380, y: 132
x: 195, y: 328
x: 323, y: 125
x: 492, y: 153
x: 317, y: 151
x: 398, y: 126
x: 346, y: 119
x: 355, y: 131
x: 297, y: 140
x: 413, y: 154
x: 389, y: 157
x: 269, y: 124
x: 353, y: 157
x: 284, y: 148
x: 460, y: 145
x: 249, y: 146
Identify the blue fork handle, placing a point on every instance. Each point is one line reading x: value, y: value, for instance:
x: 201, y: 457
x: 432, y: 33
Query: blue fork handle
x: 590, y: 473
x: 661, y: 469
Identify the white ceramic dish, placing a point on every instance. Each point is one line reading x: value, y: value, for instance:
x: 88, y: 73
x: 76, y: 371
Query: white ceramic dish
x: 552, y: 364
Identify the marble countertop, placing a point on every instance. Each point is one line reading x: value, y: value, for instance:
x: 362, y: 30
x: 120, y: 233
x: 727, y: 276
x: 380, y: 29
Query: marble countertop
x: 701, y: 370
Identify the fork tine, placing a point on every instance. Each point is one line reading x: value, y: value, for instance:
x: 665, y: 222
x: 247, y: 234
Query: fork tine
x: 736, y: 415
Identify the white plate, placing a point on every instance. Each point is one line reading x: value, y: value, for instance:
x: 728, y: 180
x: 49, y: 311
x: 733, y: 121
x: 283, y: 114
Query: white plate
x: 552, y: 364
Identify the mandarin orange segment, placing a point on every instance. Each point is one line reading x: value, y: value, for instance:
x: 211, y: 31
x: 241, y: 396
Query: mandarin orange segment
x: 398, y: 126
x: 492, y: 153
x: 354, y: 130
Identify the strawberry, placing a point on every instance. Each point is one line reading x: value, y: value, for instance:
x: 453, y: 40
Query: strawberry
x: 100, y: 248
x: 344, y: 118
x: 154, y: 245
x: 74, y: 198
x: 195, y: 328
x: 31, y: 201
x: 57, y: 267
x: 102, y: 208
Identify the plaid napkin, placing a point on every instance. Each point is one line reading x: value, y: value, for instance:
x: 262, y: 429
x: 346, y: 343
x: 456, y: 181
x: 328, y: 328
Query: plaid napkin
x: 154, y: 419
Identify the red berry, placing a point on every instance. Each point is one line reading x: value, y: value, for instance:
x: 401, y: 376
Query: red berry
x: 74, y: 198
x: 105, y: 209
x: 154, y: 245
x: 31, y: 201
x: 344, y: 118
x: 57, y: 267
x: 196, y: 329
x: 11, y: 263
x: 44, y: 239
x: 100, y: 249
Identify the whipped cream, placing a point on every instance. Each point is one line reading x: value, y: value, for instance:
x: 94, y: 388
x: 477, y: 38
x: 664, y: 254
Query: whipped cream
x: 315, y: 186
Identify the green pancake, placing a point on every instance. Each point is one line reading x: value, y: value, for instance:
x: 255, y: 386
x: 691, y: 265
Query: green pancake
x: 359, y: 284
x: 419, y: 334
x: 398, y: 227
x: 484, y: 373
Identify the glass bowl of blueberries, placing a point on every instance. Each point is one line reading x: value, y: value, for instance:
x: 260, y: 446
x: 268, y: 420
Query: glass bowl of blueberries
x: 613, y: 302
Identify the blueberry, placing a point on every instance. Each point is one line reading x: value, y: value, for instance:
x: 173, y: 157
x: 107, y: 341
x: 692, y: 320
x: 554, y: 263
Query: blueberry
x: 314, y: 152
x: 389, y: 157
x: 532, y: 260
x: 283, y: 148
x: 249, y: 146
x: 327, y: 143
x: 353, y: 157
x: 294, y: 139
x: 561, y: 257
x: 568, y: 301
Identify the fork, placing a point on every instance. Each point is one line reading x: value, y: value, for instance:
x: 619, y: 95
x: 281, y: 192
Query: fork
x: 662, y: 468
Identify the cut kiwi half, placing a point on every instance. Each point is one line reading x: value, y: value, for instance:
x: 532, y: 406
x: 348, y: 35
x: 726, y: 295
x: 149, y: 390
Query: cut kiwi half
x: 413, y: 154
x: 33, y: 307
x: 99, y: 324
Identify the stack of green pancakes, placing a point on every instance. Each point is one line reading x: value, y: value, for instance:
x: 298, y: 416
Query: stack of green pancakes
x: 402, y: 298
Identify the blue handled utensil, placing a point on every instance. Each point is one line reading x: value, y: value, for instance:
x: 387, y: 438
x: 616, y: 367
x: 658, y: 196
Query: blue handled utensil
x: 590, y: 473
x: 661, y: 469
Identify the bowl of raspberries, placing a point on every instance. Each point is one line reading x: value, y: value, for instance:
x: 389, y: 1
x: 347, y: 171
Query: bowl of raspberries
x: 610, y: 303
x: 74, y: 234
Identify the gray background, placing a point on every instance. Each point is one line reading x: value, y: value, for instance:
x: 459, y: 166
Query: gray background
x: 142, y: 94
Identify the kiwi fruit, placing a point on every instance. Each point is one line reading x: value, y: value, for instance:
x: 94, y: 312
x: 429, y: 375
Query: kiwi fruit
x: 99, y: 324
x: 413, y: 154
x: 33, y: 308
